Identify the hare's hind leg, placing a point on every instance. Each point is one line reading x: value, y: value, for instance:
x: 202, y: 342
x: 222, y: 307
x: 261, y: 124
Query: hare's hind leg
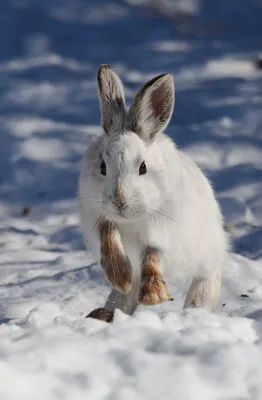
x: 204, y: 292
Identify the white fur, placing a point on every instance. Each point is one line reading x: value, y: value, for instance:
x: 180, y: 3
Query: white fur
x: 186, y: 224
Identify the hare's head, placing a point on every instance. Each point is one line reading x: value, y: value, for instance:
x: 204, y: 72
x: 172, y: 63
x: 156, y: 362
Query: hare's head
x: 129, y: 169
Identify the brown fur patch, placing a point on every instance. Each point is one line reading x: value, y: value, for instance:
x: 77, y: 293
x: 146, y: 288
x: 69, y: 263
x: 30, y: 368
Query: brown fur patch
x: 151, y: 263
x: 116, y: 265
x: 107, y: 238
x: 119, y: 197
x: 153, y: 289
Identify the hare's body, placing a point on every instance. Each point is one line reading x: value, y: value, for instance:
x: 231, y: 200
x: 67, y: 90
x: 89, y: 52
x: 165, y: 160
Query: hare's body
x: 170, y: 210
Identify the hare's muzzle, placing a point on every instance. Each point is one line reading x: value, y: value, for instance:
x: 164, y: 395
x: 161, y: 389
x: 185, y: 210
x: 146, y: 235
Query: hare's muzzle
x: 119, y: 200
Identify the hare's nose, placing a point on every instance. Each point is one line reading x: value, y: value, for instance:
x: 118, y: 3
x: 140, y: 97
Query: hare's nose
x: 119, y: 205
x: 119, y: 199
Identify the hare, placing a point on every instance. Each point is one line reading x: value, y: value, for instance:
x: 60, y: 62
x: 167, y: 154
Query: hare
x: 146, y: 209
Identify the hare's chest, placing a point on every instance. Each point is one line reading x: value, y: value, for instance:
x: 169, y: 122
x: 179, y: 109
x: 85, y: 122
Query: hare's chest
x: 134, y: 246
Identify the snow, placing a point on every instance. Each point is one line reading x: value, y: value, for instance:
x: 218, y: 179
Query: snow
x: 50, y: 52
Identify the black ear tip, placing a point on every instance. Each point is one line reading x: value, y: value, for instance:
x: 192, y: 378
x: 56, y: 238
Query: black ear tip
x: 166, y: 77
x: 103, y: 68
x: 162, y: 77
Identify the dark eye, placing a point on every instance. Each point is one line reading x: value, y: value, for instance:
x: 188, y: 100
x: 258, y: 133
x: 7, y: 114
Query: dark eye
x: 103, y: 168
x: 142, y: 169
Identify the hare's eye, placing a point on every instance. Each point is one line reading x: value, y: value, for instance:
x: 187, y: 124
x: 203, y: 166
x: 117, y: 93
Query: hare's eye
x: 142, y: 169
x: 103, y: 168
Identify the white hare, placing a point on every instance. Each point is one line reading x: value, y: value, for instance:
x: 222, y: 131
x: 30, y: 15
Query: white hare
x: 146, y: 209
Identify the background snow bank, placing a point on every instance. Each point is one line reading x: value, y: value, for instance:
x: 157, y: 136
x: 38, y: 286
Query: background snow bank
x: 49, y: 55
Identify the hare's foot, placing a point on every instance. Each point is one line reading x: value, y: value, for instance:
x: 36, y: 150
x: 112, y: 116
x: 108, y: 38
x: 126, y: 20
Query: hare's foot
x: 102, y: 314
x: 116, y: 265
x: 118, y: 272
x: 154, y: 290
x: 204, y: 292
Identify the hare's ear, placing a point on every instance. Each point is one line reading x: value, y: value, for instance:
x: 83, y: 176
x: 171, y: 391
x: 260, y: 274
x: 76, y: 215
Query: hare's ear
x: 112, y: 100
x: 152, y: 108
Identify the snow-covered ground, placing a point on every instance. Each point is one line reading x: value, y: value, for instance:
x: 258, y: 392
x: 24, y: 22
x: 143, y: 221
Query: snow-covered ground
x: 49, y: 54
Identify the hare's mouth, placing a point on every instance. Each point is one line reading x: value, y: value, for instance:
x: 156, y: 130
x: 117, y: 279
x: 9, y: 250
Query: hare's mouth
x: 120, y: 208
x: 121, y: 213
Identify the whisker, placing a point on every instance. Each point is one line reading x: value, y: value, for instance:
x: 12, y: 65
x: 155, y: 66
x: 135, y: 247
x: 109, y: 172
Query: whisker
x: 91, y: 198
x: 87, y: 176
x: 137, y: 194
x: 95, y: 202
x: 164, y: 215
x: 99, y: 219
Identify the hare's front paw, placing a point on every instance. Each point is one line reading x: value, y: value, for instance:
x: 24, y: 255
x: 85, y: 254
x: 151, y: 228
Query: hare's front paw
x: 102, y: 314
x: 118, y: 272
x: 116, y: 265
x: 154, y: 290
